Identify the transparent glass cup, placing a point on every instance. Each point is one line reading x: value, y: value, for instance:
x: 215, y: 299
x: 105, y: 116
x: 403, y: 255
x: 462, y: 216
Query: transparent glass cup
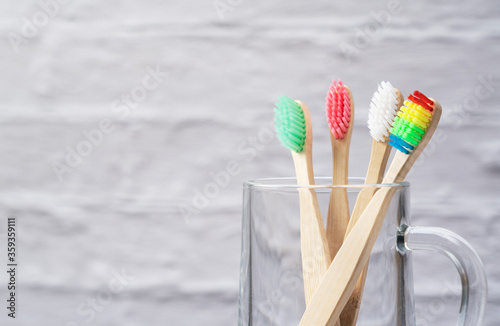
x: 271, y: 283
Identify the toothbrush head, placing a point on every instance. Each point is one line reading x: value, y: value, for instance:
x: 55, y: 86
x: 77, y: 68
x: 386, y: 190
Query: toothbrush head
x: 411, y: 123
x: 290, y: 124
x: 338, y: 109
x: 383, y: 108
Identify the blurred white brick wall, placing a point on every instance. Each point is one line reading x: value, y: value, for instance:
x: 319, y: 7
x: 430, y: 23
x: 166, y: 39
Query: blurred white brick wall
x: 119, y: 207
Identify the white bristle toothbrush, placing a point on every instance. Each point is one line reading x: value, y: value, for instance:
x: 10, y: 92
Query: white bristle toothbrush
x: 293, y: 128
x: 383, y: 108
x: 410, y: 134
x: 339, y: 115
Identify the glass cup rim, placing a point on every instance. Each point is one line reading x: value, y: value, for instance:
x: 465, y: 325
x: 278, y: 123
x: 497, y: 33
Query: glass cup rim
x: 282, y: 183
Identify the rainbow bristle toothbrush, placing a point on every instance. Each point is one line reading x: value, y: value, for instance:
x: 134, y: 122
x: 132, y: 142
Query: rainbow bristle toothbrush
x: 293, y: 127
x: 410, y: 124
x: 339, y: 114
x: 410, y: 134
x: 383, y: 108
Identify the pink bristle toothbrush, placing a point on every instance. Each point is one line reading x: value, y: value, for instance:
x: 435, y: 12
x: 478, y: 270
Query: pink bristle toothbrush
x: 339, y: 115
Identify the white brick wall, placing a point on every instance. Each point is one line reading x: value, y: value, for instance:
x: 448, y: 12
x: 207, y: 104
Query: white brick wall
x: 118, y: 209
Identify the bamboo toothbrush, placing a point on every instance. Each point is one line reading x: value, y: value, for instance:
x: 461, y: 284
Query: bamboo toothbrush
x: 383, y: 108
x: 411, y: 132
x: 293, y: 127
x: 339, y: 114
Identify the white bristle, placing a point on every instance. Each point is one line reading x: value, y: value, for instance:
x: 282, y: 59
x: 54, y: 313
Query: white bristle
x: 383, y: 109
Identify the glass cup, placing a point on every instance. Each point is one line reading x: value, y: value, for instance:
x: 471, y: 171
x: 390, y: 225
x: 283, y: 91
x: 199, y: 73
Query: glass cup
x: 271, y: 283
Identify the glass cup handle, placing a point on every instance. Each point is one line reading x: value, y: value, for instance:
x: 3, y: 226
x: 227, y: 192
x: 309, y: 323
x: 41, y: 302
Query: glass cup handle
x: 466, y: 260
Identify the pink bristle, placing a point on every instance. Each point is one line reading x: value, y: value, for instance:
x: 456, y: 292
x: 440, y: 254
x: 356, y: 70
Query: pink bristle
x: 338, y: 109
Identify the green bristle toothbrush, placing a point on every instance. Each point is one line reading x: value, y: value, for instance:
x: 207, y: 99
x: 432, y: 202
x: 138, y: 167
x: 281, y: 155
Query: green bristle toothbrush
x: 293, y: 127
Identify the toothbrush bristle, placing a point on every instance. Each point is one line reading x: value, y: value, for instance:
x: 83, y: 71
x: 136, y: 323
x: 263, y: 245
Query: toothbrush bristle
x: 290, y: 124
x: 425, y: 99
x: 411, y: 123
x: 338, y: 109
x: 421, y: 102
x: 383, y: 109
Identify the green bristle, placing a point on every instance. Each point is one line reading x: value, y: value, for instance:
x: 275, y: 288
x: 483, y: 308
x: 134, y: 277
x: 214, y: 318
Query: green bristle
x: 290, y: 124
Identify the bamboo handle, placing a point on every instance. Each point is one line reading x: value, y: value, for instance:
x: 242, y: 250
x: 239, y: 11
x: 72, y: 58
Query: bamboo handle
x: 378, y: 162
x: 314, y: 248
x: 342, y: 275
x: 349, y: 315
x: 338, y: 219
x: 338, y: 207
x: 314, y: 245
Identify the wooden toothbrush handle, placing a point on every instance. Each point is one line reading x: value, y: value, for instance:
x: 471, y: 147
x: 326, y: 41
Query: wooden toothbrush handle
x: 343, y: 274
x: 314, y: 247
x: 338, y: 208
x: 349, y: 315
x: 378, y: 161
x: 338, y: 219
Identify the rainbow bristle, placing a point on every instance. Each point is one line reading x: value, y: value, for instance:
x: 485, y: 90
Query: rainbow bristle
x: 338, y: 109
x: 411, y: 123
